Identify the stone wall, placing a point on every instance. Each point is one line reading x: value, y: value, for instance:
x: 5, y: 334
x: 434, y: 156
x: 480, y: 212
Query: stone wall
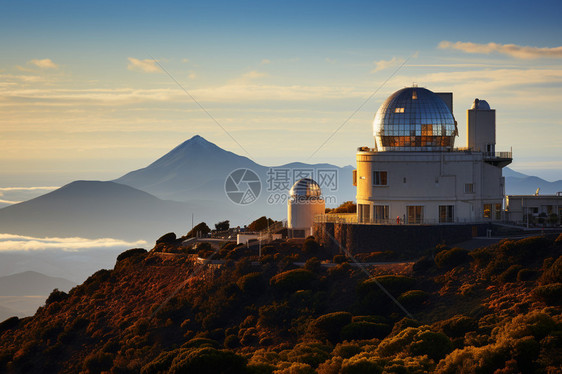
x: 409, y: 239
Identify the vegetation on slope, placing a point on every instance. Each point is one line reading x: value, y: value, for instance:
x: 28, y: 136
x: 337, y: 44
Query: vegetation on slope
x: 496, y: 309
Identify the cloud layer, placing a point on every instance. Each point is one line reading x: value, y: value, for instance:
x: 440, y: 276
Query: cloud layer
x: 145, y: 66
x: 45, y: 63
x: 513, y: 50
x: 11, y: 243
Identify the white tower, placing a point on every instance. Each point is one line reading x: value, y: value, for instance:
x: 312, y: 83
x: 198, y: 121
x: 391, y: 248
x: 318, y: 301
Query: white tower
x: 481, y: 122
x: 305, y: 202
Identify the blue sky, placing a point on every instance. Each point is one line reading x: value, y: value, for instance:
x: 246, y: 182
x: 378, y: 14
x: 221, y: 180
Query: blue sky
x: 81, y: 97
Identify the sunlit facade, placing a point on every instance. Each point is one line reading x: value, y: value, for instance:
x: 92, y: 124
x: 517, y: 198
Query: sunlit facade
x: 414, y: 175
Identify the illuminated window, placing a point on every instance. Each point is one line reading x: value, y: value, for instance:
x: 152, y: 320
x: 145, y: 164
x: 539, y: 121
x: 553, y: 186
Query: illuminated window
x: 469, y: 188
x: 415, y: 214
x: 487, y: 211
x: 414, y: 95
x: 446, y: 213
x: 398, y: 110
x: 379, y: 178
x: 364, y: 213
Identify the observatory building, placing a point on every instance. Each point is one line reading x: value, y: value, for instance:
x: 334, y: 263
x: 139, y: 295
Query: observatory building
x: 305, y: 202
x: 414, y: 175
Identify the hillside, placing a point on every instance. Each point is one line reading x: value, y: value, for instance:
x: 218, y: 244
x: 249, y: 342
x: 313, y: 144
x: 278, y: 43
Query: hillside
x: 496, y: 308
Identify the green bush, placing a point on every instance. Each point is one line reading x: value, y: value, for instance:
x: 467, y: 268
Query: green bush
x: 312, y: 354
x: 200, y: 229
x: 207, y: 360
x: 328, y: 326
x: 554, y: 272
x: 413, y: 299
x: 97, y: 362
x: 510, y: 275
x: 451, y: 258
x: 365, y: 330
x: 457, y: 326
x: 9, y: 324
x: 56, y: 296
x: 339, y: 259
x: 525, y: 275
x: 395, y: 284
x: 551, y: 294
x: 200, y: 343
x: 252, y: 283
x: 311, y: 247
x: 160, y: 364
x: 292, y: 280
x: 313, y: 264
x: 360, y: 366
x: 168, y: 238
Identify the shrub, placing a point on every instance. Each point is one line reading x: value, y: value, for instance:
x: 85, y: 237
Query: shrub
x: 553, y: 274
x: 339, y: 259
x: 525, y: 275
x: 207, y: 360
x: 328, y: 326
x: 416, y: 341
x: 551, y: 294
x: 395, y: 284
x: 56, y: 296
x: 313, y: 264
x: 413, y: 298
x: 132, y: 252
x: 311, y: 246
x: 252, y: 283
x: 200, y: 343
x: 448, y: 259
x: 510, y: 275
x: 201, y: 229
x: 98, y: 362
x: 423, y: 264
x: 365, y: 330
x: 9, y: 324
x: 312, y: 354
x: 346, y: 350
x: 168, y: 238
x: 360, y: 366
x: 160, y: 364
x: 292, y: 280
x: 457, y: 326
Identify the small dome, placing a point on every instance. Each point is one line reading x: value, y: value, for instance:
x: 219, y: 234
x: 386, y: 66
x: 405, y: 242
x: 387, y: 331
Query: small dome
x: 480, y: 104
x: 305, y: 188
x: 414, y: 119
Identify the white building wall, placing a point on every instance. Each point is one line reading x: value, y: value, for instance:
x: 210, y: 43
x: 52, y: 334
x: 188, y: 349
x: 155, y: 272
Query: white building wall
x: 430, y: 179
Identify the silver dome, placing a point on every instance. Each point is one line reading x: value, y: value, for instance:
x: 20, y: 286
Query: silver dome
x: 480, y: 104
x: 305, y: 188
x: 414, y: 119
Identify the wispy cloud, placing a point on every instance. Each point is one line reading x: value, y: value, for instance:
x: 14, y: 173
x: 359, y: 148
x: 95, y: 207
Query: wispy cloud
x: 8, y: 201
x: 385, y: 64
x: 47, y: 188
x: 513, y: 50
x: 45, y: 63
x: 146, y: 66
x: 10, y: 242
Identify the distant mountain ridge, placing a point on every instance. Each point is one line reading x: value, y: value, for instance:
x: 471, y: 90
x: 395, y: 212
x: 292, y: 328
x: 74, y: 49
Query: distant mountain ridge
x: 31, y: 283
x: 184, y: 184
x: 521, y: 184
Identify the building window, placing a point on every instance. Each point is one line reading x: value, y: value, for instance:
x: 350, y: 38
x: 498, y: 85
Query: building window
x: 446, y: 213
x: 380, y: 213
x: 398, y: 110
x: 415, y: 214
x: 468, y: 188
x: 380, y: 178
x: 498, y: 212
x: 364, y: 213
x: 487, y: 211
